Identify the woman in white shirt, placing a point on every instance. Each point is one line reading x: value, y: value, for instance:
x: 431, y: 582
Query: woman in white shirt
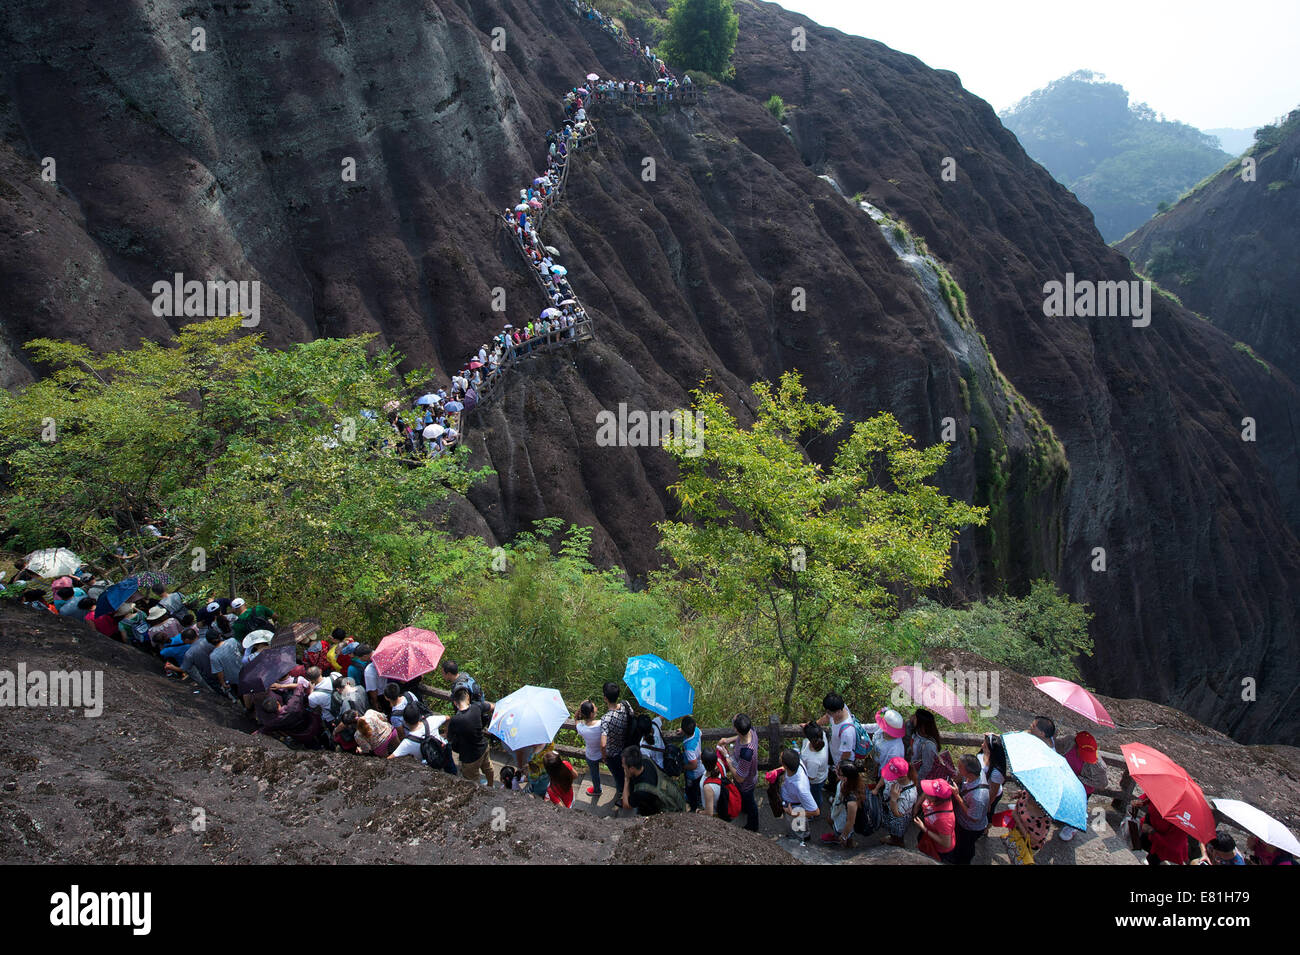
x: 593, y: 736
x: 814, y: 756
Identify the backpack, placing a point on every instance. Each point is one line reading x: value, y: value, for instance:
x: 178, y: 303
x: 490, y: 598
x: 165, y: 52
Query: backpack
x: 343, y: 698
x: 414, y: 700
x: 862, y: 745
x: 727, y: 805
x: 436, y: 754
x: 317, y: 655
x: 467, y: 681
x: 666, y: 793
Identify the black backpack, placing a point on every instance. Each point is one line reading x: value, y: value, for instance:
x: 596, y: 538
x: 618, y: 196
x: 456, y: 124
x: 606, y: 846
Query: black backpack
x: 414, y: 700
x: 436, y: 754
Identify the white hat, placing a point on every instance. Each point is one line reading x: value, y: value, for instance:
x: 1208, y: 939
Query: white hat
x: 212, y: 607
x: 256, y: 637
x: 238, y: 603
x: 157, y: 613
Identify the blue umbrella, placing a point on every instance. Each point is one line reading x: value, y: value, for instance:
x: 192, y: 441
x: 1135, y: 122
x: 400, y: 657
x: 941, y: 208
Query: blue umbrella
x: 659, y: 686
x: 115, y: 596
x: 427, y: 400
x: 453, y: 406
x: 1048, y: 777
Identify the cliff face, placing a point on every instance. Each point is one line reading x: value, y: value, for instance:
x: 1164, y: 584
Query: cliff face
x: 1229, y: 249
x: 228, y: 163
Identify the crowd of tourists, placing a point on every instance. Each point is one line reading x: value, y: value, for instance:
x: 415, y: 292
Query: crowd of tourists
x: 890, y: 780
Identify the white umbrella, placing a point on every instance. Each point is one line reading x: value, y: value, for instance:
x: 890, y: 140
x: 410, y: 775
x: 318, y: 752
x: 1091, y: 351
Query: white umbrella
x: 530, y: 716
x: 53, y: 562
x: 433, y: 432
x: 593, y: 77
x: 1259, y: 823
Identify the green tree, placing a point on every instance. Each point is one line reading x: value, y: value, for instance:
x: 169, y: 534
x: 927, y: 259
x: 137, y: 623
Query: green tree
x: 701, y: 35
x: 771, y: 537
x: 776, y: 106
x: 267, y: 473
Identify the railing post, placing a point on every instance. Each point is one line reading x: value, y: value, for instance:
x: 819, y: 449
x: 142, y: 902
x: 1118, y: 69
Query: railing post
x: 773, y: 740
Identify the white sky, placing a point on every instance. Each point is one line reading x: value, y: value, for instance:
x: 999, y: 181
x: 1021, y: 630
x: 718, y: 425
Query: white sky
x: 1210, y: 64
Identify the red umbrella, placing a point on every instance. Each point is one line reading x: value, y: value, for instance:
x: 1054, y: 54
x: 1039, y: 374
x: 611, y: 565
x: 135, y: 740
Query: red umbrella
x: 407, y: 654
x: 929, y: 690
x: 1074, y: 697
x: 1174, y: 793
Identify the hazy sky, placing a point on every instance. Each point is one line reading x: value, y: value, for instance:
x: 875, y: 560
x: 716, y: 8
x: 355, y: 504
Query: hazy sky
x: 1210, y: 64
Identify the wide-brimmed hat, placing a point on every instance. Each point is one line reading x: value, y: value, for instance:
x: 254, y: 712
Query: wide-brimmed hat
x: 938, y: 788
x: 256, y: 637
x: 896, y: 768
x: 157, y: 613
x: 890, y: 722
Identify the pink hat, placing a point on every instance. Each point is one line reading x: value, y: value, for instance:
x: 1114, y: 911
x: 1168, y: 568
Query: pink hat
x: 938, y: 788
x: 896, y: 768
x: 61, y: 582
x: 891, y: 722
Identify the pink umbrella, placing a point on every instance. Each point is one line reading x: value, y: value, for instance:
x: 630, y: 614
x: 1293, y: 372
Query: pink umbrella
x: 1074, y: 697
x: 408, y: 653
x: 929, y: 690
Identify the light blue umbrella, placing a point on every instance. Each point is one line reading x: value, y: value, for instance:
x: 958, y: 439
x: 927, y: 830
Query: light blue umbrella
x: 427, y: 400
x: 453, y: 406
x: 530, y: 716
x: 659, y: 686
x: 1048, y: 777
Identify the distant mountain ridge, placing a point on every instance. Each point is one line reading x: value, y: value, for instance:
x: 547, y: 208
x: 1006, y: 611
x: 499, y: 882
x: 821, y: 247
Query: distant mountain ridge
x: 1121, y: 161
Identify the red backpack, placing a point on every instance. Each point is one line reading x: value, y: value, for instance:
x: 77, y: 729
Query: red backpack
x: 317, y: 655
x: 727, y: 805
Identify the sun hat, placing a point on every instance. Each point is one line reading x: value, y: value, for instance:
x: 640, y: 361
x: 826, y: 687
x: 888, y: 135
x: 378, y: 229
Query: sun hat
x: 896, y: 768
x: 1086, y: 743
x: 157, y: 613
x: 890, y: 722
x: 938, y: 788
x: 256, y: 637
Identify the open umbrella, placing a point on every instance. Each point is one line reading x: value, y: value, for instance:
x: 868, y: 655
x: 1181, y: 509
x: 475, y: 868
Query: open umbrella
x: 154, y: 578
x: 928, y: 689
x: 266, y: 668
x: 559, y: 270
x: 1048, y: 777
x: 475, y: 365
x: 1259, y: 823
x: 113, y: 597
x: 592, y: 77
x: 551, y: 250
x: 471, y: 399
x: 454, y: 406
x: 427, y: 400
x: 569, y: 301
x: 300, y: 631
x: 530, y: 716
x: 1074, y: 697
x: 407, y: 654
x: 1174, y: 793
x: 392, y: 406
x: 550, y: 313
x: 534, y: 203
x: 522, y: 207
x: 433, y: 432
x: 539, y: 180
x: 52, y: 562
x: 659, y: 686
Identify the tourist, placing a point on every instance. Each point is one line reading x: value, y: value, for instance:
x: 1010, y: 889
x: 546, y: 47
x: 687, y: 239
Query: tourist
x: 853, y: 812
x: 562, y: 775
x: 994, y: 758
x: 615, y: 724
x: 797, y: 800
x: 926, y: 742
x: 900, y: 795
x: 971, y: 806
x: 594, y: 740
x: 692, y: 765
x: 744, y: 762
x: 465, y: 733
x: 935, y: 819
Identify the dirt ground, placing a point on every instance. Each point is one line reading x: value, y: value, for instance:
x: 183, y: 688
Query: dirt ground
x: 164, y: 775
